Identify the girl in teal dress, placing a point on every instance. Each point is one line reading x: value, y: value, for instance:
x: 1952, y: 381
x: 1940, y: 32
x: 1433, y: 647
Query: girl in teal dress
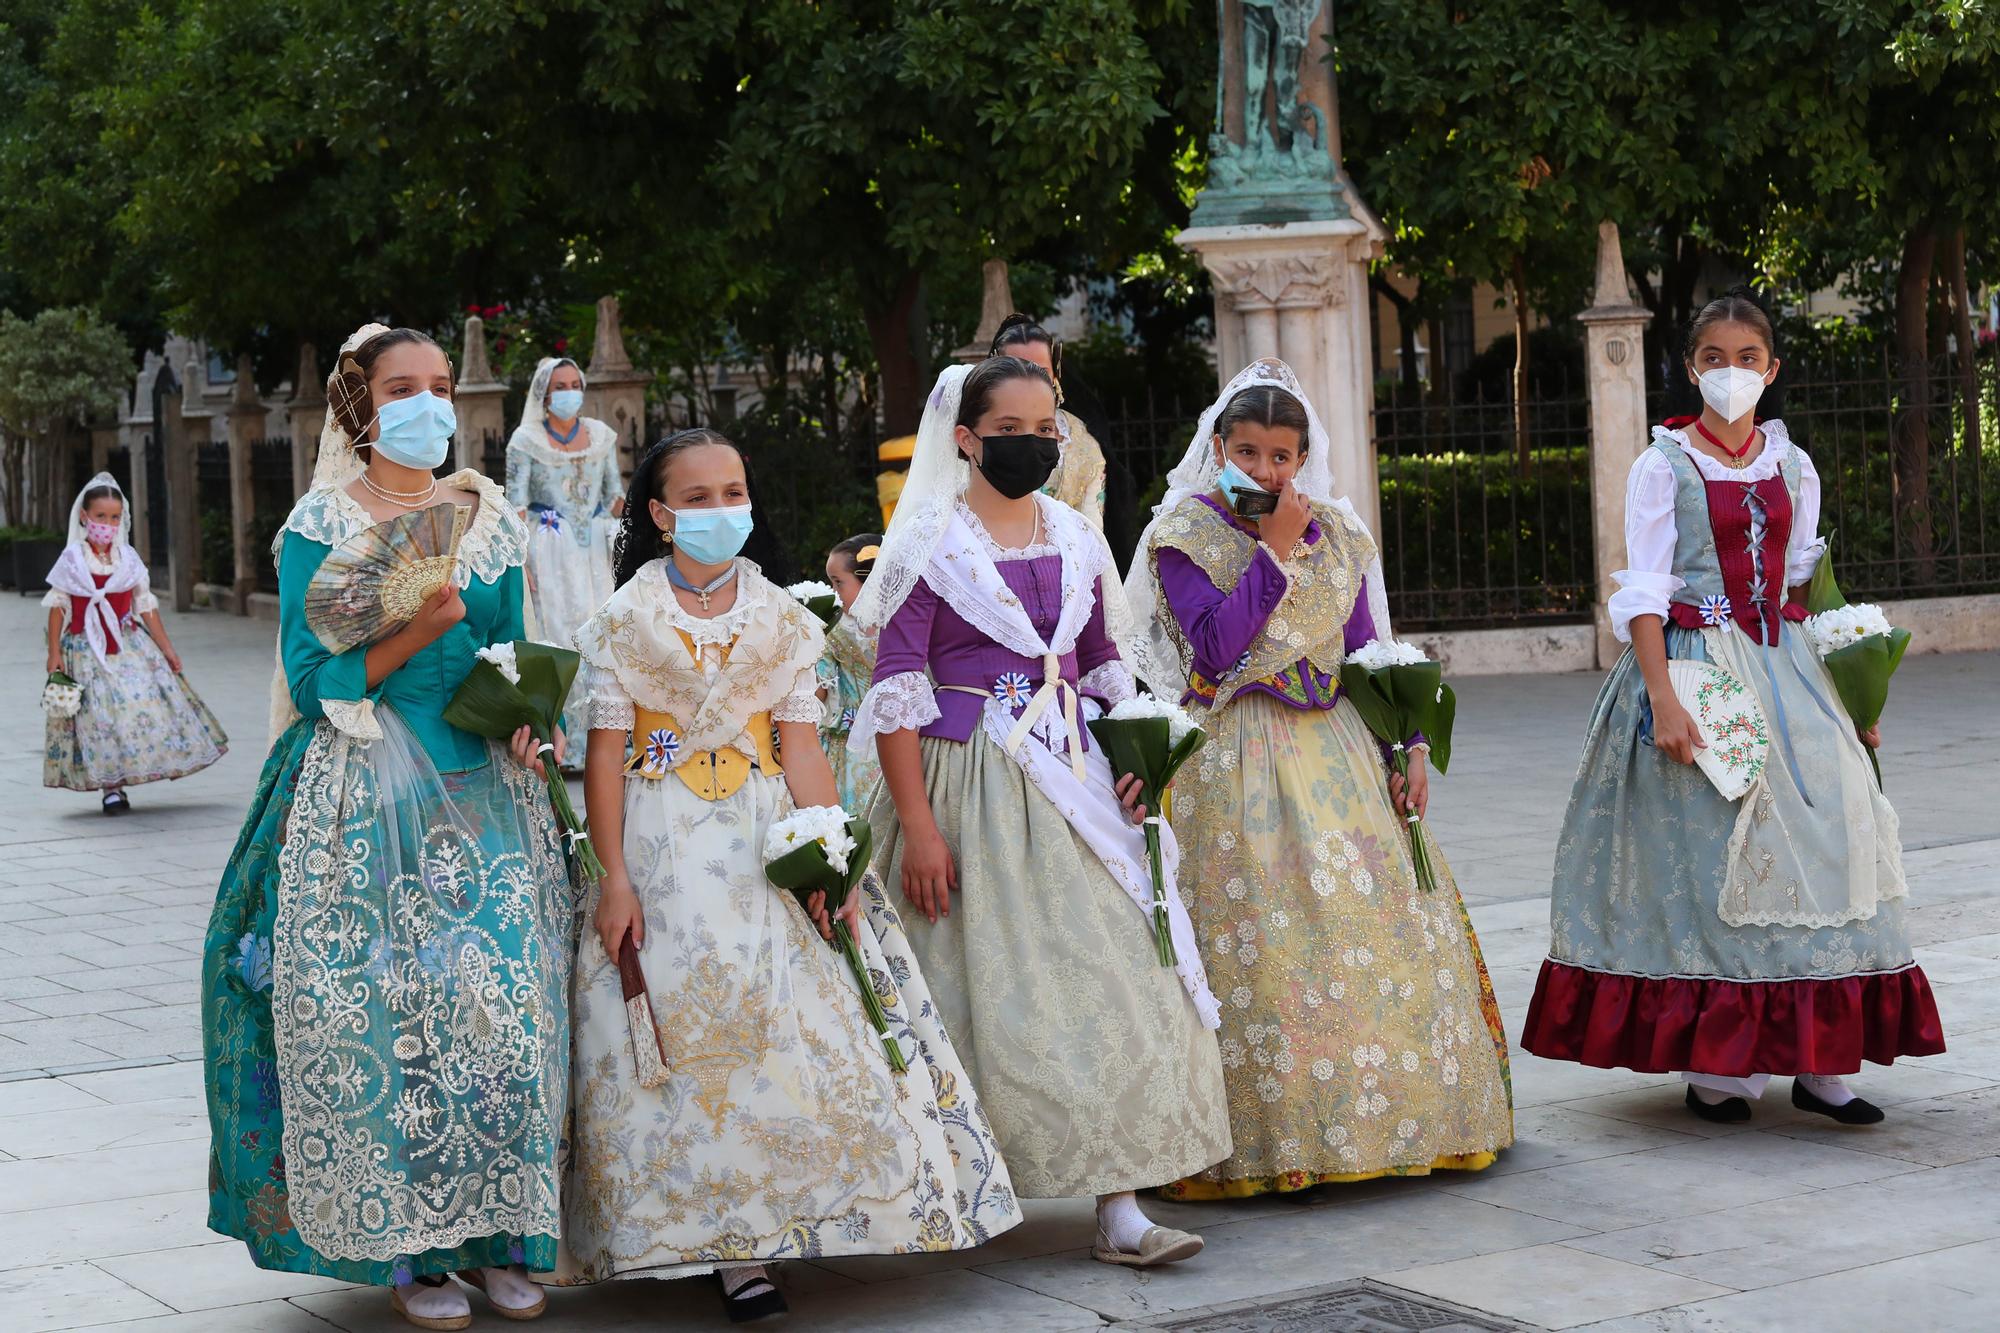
x: 845, y: 669
x: 385, y: 978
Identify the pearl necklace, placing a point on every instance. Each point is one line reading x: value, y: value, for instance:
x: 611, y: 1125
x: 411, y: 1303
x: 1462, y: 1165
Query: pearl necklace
x: 407, y: 499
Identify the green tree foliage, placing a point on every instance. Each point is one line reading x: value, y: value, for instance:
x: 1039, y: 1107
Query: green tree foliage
x: 57, y: 370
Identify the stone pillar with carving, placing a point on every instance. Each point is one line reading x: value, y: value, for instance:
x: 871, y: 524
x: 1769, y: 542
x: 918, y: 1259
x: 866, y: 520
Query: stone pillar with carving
x: 305, y: 417
x: 1285, y: 238
x: 614, y: 391
x: 246, y: 424
x: 175, y: 434
x: 1615, y: 328
x: 480, y: 400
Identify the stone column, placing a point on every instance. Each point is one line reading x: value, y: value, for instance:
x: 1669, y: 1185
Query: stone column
x: 1616, y: 328
x: 174, y: 437
x: 480, y: 399
x: 246, y: 424
x: 306, y: 416
x: 1299, y: 291
x: 614, y: 391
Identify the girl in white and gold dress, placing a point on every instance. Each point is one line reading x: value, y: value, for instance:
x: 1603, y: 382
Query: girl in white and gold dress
x: 780, y: 1131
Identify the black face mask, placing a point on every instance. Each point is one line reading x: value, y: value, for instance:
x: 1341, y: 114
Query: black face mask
x: 1018, y: 465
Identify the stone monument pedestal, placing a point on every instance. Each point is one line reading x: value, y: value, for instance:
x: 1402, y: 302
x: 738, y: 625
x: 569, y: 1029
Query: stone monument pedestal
x: 1298, y: 291
x: 613, y: 390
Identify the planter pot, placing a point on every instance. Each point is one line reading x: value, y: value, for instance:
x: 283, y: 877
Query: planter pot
x: 33, y: 557
x: 7, y: 563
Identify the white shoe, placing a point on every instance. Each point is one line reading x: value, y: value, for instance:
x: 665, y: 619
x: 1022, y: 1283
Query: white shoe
x: 441, y: 1307
x: 509, y: 1291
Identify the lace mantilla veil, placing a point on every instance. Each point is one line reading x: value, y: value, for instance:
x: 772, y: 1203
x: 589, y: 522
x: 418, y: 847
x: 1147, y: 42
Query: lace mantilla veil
x: 1154, y: 656
x: 937, y: 479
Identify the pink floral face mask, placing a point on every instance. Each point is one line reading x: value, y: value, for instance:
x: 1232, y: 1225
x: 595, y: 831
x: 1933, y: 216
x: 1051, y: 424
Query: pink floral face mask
x: 100, y: 534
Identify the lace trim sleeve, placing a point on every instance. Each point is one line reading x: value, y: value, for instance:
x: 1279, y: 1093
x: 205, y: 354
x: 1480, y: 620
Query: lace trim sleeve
x: 901, y: 702
x: 145, y: 601
x: 1112, y: 681
x: 798, y: 708
x: 607, y: 706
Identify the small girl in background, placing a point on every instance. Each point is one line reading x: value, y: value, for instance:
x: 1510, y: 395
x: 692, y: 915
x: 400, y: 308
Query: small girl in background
x: 844, y: 672
x: 138, y: 720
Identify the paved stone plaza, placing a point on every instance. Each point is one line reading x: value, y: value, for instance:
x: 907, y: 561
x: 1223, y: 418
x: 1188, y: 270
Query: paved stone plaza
x: 1616, y: 1210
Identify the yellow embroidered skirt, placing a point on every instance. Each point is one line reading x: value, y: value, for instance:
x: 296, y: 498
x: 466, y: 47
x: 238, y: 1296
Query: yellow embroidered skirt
x: 1360, y: 1036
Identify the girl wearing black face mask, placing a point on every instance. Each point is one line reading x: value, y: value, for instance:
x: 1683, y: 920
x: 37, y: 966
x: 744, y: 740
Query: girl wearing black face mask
x: 998, y: 612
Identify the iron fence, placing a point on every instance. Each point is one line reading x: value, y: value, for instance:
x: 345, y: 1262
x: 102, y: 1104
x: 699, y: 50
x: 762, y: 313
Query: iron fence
x: 271, y: 498
x: 1476, y: 531
x: 1928, y: 525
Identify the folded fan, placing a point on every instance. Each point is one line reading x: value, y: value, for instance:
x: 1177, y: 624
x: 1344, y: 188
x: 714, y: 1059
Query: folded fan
x: 376, y: 581
x: 1730, y: 720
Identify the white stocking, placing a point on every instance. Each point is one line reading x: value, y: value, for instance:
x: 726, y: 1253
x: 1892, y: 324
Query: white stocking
x: 1728, y: 1086
x: 447, y: 1301
x: 1827, y: 1087
x: 1123, y: 1224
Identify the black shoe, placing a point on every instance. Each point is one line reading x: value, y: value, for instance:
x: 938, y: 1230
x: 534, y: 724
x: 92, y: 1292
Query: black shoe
x: 756, y: 1298
x: 1856, y: 1112
x: 116, y: 803
x: 1734, y: 1111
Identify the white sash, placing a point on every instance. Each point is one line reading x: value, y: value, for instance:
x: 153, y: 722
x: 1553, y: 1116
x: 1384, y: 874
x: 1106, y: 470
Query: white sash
x: 71, y: 575
x: 964, y: 576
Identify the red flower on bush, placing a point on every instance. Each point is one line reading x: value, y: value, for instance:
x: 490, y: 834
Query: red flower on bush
x: 562, y: 344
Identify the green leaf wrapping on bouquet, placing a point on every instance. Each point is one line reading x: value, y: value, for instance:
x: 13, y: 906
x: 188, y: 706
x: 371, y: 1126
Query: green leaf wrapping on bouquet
x: 806, y: 870
x: 1822, y: 593
x: 488, y: 704
x: 826, y: 608
x: 59, y: 678
x: 1180, y: 754
x: 1139, y: 746
x: 1861, y: 674
x: 547, y: 675
x: 1370, y: 696
x: 1439, y: 732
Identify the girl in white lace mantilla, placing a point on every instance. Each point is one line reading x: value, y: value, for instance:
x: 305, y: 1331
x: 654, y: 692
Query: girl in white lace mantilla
x: 1004, y: 827
x: 386, y: 976
x: 139, y: 720
x: 776, y: 1128
x: 563, y: 478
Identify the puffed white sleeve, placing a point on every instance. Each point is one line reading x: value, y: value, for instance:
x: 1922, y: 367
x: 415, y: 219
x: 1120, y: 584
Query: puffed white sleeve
x: 1803, y: 552
x: 1647, y: 584
x: 801, y: 703
x: 144, y: 602
x: 607, y: 705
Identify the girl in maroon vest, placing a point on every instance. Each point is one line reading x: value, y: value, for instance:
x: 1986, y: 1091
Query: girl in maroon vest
x: 138, y: 720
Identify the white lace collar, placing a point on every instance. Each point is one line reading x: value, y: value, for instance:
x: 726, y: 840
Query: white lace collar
x: 494, y: 542
x: 1777, y: 443
x: 706, y: 631
x: 531, y: 441
x: 997, y: 552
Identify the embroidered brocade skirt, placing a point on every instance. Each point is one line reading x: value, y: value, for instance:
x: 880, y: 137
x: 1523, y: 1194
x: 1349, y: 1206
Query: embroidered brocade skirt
x: 1643, y: 972
x: 385, y: 1015
x: 781, y: 1131
x: 1088, y: 1054
x: 1360, y: 1034
x: 140, y: 722
x: 567, y: 581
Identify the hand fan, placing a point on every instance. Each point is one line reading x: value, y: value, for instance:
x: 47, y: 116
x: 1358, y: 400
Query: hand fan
x: 378, y: 579
x: 648, y: 1051
x: 1731, y: 721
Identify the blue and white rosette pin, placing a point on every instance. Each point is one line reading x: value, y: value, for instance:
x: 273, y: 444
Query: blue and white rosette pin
x: 1716, y: 612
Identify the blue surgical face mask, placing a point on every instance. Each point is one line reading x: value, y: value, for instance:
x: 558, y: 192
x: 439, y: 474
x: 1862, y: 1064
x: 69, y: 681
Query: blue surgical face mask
x: 1250, y: 504
x: 711, y: 536
x: 564, y: 404
x: 415, y: 431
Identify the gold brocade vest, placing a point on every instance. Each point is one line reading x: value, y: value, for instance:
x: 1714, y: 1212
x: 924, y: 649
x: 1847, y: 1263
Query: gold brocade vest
x: 1308, y: 627
x: 713, y: 775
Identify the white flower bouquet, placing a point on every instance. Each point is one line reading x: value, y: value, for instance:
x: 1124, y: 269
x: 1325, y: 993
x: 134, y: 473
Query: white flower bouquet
x: 821, y: 850
x: 1400, y: 692
x: 1859, y: 646
x: 61, y: 696
x: 1150, y: 739
x: 818, y: 598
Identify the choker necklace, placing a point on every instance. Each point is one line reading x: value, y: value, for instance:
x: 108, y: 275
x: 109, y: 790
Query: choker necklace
x: 681, y: 581
x: 575, y: 425
x: 1738, y: 458
x: 407, y: 499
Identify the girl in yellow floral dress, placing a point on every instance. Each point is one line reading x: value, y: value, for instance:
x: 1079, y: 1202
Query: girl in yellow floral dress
x: 1360, y: 1037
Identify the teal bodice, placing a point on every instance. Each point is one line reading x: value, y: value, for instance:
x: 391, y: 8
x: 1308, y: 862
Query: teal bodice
x: 421, y: 687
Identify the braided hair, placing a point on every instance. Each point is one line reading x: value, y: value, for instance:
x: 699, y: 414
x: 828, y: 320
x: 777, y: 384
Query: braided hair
x: 639, y: 537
